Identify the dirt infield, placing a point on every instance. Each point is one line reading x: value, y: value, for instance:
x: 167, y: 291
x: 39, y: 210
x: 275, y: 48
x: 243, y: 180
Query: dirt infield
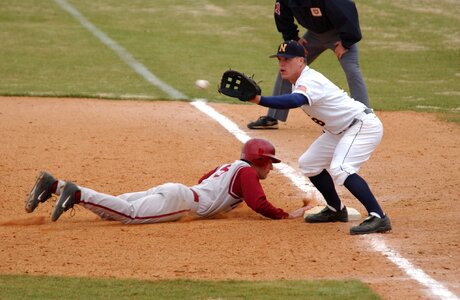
x: 122, y: 146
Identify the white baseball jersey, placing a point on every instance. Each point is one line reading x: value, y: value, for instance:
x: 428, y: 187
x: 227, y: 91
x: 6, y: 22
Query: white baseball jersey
x: 329, y: 106
x: 216, y: 192
x: 352, y: 131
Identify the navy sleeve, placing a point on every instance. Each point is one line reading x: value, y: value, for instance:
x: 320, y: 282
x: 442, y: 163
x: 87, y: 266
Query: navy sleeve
x: 344, y: 17
x: 284, y: 101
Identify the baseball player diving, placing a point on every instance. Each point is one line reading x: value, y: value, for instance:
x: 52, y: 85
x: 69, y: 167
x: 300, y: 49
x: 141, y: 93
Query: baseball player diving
x: 351, y: 132
x: 218, y: 191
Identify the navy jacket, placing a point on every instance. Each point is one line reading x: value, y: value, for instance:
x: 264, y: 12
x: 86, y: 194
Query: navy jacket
x: 318, y: 16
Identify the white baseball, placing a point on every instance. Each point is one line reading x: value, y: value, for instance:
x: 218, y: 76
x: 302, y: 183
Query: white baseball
x: 202, y: 84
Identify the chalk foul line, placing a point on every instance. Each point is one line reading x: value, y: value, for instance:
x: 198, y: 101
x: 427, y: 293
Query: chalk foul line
x: 435, y: 288
x: 377, y: 243
x: 122, y: 53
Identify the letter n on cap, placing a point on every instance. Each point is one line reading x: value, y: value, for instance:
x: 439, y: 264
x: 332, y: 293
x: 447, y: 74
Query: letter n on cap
x: 282, y: 47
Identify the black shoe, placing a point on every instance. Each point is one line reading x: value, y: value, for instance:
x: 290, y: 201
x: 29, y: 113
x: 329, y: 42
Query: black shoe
x: 264, y: 122
x: 372, y: 224
x: 70, y: 196
x: 42, y: 191
x: 328, y: 215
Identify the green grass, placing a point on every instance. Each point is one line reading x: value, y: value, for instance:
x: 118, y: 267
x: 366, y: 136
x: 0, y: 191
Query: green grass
x: 410, y: 58
x: 42, y: 287
x: 409, y: 55
x: 45, y: 52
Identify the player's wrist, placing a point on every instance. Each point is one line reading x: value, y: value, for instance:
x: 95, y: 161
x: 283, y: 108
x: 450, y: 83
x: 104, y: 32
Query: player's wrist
x: 256, y: 99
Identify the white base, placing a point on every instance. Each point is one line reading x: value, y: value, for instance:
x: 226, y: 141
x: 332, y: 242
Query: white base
x: 353, y: 214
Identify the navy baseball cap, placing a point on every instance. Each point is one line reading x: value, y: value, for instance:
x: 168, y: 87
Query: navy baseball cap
x: 290, y: 49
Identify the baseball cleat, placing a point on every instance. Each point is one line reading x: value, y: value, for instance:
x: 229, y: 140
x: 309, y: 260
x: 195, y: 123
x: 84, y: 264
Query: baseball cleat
x: 43, y: 189
x: 264, y: 122
x: 372, y: 224
x: 70, y: 196
x: 328, y: 215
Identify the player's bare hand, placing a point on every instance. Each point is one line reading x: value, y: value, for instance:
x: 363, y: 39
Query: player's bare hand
x: 255, y: 100
x: 299, y: 212
x: 340, y: 50
x: 304, y: 43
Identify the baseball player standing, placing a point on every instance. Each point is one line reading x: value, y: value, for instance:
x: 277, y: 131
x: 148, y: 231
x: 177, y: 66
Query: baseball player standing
x: 218, y: 191
x: 332, y: 24
x: 351, y: 132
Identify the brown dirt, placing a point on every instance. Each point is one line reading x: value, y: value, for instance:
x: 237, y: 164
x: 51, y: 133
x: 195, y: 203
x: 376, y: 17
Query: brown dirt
x: 121, y: 146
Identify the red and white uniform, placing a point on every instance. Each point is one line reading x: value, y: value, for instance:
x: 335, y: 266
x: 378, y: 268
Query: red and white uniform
x: 220, y: 190
x: 227, y: 186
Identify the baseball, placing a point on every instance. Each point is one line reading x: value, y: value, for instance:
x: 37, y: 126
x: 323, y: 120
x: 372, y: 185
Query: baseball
x: 202, y: 84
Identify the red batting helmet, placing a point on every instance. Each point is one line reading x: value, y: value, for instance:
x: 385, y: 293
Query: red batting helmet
x: 258, y: 152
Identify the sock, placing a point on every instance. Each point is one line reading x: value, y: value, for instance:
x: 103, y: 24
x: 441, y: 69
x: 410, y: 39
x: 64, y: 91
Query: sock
x: 59, y: 187
x: 54, y: 187
x: 325, y: 185
x: 360, y: 189
x: 77, y: 197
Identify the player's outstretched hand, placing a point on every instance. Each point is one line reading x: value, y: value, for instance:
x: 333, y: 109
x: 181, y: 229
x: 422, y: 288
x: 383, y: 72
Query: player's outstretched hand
x: 299, y: 212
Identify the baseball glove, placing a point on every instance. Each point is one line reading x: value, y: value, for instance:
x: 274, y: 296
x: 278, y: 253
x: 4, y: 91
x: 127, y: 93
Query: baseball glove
x: 237, y: 85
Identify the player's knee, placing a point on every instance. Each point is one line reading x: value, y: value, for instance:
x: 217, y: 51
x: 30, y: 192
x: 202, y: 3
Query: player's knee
x: 307, y: 168
x: 340, y: 173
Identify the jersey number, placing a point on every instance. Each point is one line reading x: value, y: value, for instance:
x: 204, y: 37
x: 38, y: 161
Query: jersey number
x: 222, y: 170
x: 319, y: 122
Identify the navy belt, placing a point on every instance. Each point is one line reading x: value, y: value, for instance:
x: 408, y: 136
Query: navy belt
x: 366, y: 111
x: 196, y: 198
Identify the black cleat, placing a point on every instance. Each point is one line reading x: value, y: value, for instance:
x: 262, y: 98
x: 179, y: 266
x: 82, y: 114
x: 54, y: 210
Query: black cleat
x: 372, y: 224
x: 264, y: 122
x: 328, y: 215
x: 41, y: 192
x: 70, y: 196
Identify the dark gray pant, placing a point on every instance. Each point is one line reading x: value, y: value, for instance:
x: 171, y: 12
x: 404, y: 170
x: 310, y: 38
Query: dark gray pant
x: 317, y: 44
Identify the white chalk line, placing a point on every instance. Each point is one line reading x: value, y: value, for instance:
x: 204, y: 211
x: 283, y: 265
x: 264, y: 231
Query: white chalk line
x: 120, y: 51
x: 298, y: 179
x: 435, y: 288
